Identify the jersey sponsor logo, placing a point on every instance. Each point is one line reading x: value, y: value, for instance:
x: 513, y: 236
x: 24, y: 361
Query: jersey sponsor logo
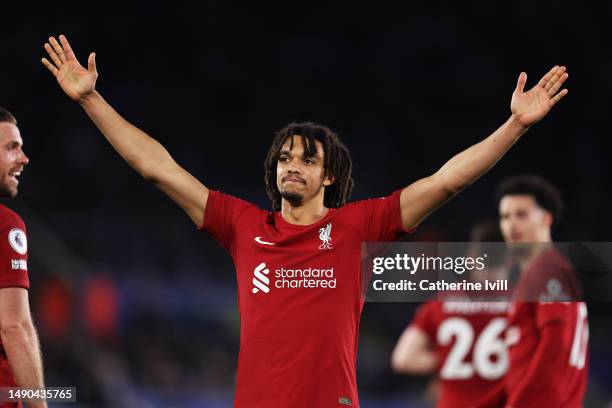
x: 325, y: 237
x: 289, y: 278
x: 260, y: 280
x: 261, y: 241
x: 19, y: 264
x: 18, y: 241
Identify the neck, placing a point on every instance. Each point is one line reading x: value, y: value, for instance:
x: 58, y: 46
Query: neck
x: 306, y: 213
x: 537, y: 249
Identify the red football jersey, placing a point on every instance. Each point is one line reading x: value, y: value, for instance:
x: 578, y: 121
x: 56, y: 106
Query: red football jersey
x: 13, y: 273
x: 468, y: 338
x: 548, y: 341
x: 299, y: 297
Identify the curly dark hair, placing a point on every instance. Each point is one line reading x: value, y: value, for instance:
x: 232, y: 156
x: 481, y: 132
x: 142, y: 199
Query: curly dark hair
x: 545, y: 194
x: 336, y: 161
x: 6, y: 116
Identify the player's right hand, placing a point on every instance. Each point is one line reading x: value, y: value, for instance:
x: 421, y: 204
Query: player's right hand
x: 74, y: 79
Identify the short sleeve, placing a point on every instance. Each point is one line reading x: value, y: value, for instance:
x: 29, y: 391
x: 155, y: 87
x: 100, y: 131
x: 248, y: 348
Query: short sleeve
x: 383, y: 218
x: 424, y: 319
x: 13, y: 251
x: 221, y: 217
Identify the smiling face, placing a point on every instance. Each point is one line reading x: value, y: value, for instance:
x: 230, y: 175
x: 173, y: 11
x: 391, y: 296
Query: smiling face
x: 522, y: 220
x: 12, y: 159
x: 299, y: 178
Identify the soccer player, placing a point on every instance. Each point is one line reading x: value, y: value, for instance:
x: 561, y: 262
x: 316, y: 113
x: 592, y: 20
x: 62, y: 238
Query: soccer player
x: 20, y: 357
x: 461, y: 342
x: 299, y: 288
x: 547, y: 338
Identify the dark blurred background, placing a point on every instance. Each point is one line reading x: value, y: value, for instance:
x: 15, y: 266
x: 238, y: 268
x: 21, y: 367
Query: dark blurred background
x: 134, y: 306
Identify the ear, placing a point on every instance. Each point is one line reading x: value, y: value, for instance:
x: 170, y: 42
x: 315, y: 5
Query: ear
x: 328, y: 180
x: 548, y: 219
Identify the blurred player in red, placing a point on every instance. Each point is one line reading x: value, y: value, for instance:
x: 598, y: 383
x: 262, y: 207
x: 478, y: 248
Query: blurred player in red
x: 20, y: 357
x: 461, y: 342
x: 548, y: 329
x: 298, y: 266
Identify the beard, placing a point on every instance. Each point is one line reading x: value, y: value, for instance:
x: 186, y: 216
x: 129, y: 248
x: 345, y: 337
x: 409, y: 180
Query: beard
x: 294, y: 198
x: 7, y: 192
x: 297, y: 199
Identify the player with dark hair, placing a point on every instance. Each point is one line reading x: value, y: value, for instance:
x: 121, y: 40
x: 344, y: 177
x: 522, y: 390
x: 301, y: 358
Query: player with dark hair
x: 458, y: 341
x: 297, y: 267
x: 337, y: 161
x: 542, y: 193
x: 548, y: 328
x: 20, y: 357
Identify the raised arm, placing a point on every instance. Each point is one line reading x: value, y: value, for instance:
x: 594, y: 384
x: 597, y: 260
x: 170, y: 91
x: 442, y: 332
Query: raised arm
x: 422, y: 197
x: 143, y: 153
x: 20, y: 341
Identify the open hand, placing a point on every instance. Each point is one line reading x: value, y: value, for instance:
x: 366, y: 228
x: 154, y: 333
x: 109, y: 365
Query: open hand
x: 531, y: 106
x: 76, y: 81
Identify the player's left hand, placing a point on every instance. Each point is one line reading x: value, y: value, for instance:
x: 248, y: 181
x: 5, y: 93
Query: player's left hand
x: 531, y: 106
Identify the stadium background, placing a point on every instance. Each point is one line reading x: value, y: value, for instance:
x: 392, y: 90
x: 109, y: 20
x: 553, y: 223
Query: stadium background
x: 137, y: 308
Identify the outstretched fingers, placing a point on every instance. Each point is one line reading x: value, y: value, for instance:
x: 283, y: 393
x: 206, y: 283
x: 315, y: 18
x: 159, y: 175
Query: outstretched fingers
x: 50, y: 66
x: 553, y: 81
x: 554, y: 78
x: 557, y: 84
x: 558, y: 97
x: 548, y: 76
x: 67, y: 48
x: 58, y: 49
x: 53, y: 55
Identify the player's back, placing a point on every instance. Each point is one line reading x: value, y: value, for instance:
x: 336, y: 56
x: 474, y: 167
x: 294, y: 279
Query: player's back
x: 468, y: 338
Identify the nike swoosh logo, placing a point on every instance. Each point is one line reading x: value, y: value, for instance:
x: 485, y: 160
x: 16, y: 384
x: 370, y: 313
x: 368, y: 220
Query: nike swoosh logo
x: 259, y: 240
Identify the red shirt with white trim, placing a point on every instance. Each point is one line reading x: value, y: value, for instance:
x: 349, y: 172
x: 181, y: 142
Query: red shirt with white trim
x: 548, y: 340
x: 299, y: 297
x: 13, y: 273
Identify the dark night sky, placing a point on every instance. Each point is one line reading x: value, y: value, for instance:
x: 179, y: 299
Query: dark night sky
x: 404, y: 92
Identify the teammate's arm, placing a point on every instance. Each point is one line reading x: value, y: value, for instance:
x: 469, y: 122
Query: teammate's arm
x: 421, y: 198
x: 143, y: 153
x: 20, y: 341
x: 413, y: 353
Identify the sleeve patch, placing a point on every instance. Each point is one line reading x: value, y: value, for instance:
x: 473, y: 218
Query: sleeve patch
x: 19, y: 264
x: 18, y: 241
